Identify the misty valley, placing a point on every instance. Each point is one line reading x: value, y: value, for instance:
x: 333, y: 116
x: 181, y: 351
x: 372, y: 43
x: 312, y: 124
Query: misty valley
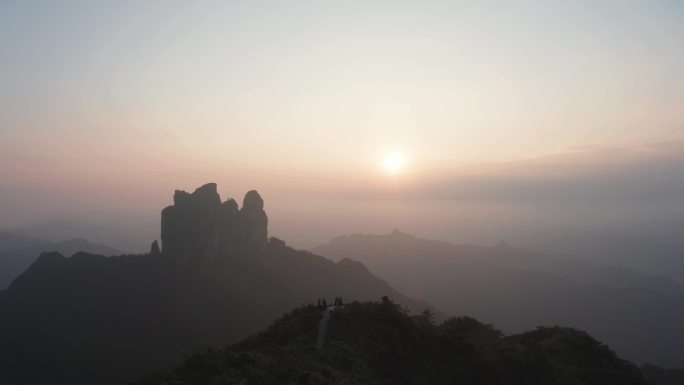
x: 356, y: 192
x: 410, y: 310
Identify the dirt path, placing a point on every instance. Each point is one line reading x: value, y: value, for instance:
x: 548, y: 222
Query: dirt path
x: 322, y: 328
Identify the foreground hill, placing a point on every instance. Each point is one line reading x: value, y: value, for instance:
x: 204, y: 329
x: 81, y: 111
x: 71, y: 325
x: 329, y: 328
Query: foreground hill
x: 18, y: 252
x: 90, y: 319
x: 378, y: 343
x: 639, y: 316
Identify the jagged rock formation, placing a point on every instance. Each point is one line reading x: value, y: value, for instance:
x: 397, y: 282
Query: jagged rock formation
x: 198, y: 227
x: 254, y: 221
x: 89, y: 319
x: 154, y: 249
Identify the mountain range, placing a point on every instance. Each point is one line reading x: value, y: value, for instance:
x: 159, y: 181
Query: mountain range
x: 217, y: 278
x: 639, y: 316
x: 18, y: 251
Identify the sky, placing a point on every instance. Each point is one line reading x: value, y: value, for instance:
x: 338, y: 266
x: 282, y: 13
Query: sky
x: 107, y: 107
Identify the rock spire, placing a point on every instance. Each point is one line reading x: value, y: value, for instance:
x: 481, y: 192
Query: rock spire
x: 199, y: 227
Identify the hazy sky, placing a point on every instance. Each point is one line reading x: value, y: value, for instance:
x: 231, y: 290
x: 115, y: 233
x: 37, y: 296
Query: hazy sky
x: 111, y: 105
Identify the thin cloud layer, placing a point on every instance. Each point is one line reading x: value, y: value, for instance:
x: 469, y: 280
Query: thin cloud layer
x: 650, y: 174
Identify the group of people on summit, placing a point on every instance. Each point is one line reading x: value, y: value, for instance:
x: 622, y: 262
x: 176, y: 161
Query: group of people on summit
x: 323, y: 304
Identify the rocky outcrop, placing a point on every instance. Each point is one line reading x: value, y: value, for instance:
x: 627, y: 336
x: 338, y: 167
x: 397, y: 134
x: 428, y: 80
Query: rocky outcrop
x: 198, y: 227
x: 154, y: 248
x: 254, y: 220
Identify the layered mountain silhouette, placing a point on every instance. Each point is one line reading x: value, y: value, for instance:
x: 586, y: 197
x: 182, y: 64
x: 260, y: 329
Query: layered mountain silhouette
x: 644, y: 249
x: 639, y: 316
x: 377, y: 344
x: 127, y: 231
x: 216, y: 278
x: 18, y: 251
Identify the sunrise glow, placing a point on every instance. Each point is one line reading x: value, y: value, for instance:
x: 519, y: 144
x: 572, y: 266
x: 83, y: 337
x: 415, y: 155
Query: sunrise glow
x: 393, y: 162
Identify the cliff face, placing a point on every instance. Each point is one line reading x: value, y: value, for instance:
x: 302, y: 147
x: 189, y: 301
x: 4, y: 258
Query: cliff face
x: 198, y: 227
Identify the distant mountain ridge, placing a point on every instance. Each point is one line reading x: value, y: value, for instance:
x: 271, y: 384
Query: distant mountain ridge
x: 17, y: 252
x: 217, y: 278
x: 128, y: 232
x: 641, y: 249
x: 518, y: 289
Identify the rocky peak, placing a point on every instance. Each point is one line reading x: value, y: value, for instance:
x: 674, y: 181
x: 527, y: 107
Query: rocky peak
x: 198, y: 227
x: 154, y: 248
x: 180, y: 198
x: 253, y: 201
x: 254, y: 220
x: 207, y: 194
x: 231, y: 205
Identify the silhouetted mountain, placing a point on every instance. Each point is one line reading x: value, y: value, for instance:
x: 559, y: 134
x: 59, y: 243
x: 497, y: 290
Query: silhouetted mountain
x: 643, y: 249
x: 660, y: 376
x: 376, y: 343
x: 129, y: 232
x: 17, y: 252
x: 90, y: 319
x: 639, y: 316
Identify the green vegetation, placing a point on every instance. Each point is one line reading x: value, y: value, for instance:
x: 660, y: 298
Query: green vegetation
x: 379, y: 343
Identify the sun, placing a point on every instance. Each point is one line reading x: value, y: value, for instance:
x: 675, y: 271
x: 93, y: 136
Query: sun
x: 393, y: 162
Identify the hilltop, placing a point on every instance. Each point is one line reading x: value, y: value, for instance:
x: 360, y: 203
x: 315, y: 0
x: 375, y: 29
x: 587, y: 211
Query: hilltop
x: 377, y: 343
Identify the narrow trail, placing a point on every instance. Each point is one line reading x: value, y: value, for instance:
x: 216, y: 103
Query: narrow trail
x: 322, y: 328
